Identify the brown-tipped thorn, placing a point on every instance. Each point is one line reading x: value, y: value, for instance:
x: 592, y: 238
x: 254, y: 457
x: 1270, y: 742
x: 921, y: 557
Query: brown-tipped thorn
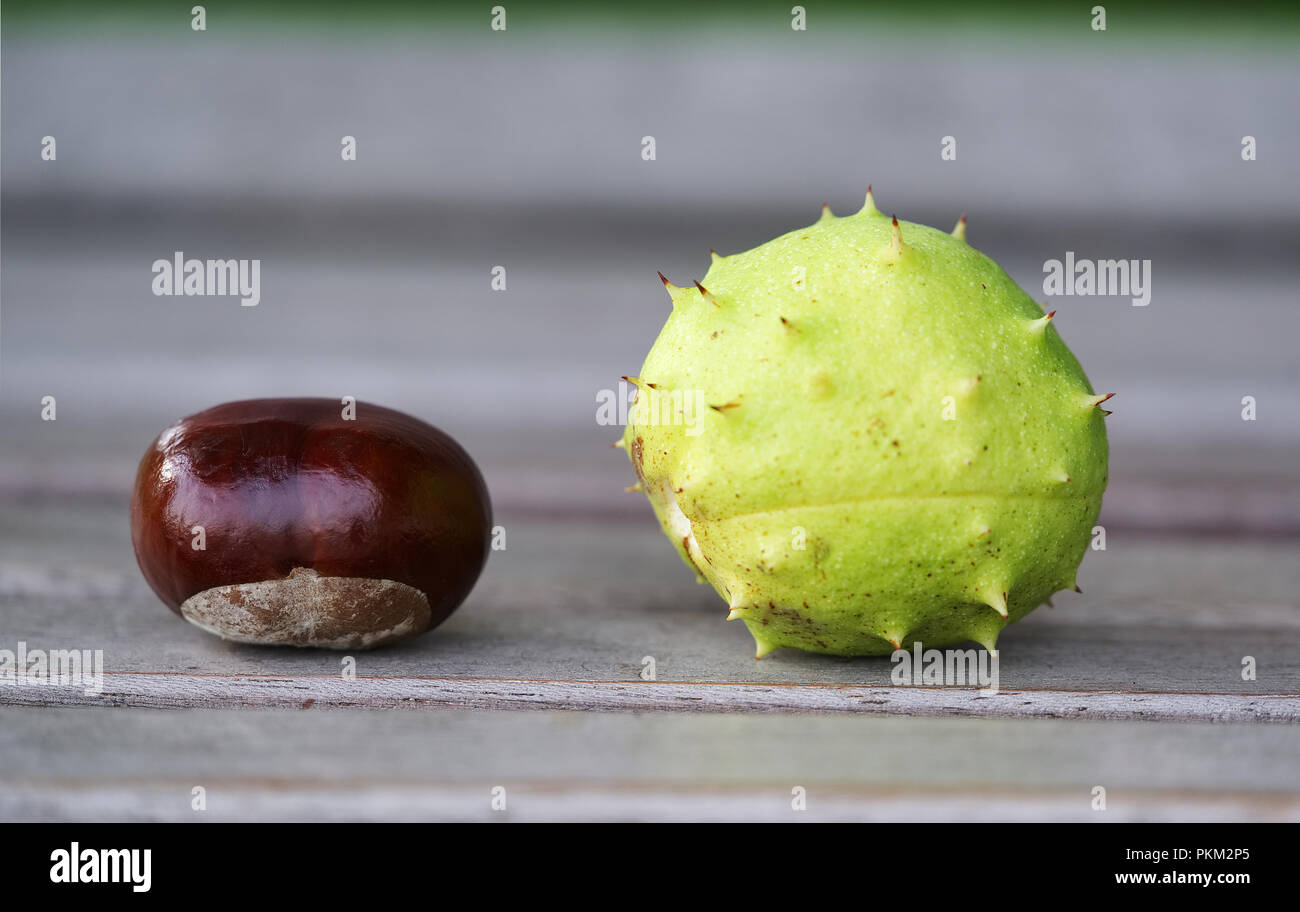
x: 959, y: 230
x: 639, y: 382
x: 896, y: 245
x: 707, y: 295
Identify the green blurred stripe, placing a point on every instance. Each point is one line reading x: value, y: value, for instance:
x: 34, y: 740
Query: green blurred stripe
x: 1151, y: 18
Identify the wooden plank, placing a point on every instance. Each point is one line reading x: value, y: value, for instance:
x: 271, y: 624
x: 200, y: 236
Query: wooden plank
x: 306, y: 692
x: 576, y: 802
x: 1047, y: 160
x: 567, y: 614
x: 380, y: 283
x: 351, y: 764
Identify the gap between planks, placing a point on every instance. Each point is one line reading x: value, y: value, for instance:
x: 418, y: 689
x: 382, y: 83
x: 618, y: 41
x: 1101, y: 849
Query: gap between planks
x: 175, y: 691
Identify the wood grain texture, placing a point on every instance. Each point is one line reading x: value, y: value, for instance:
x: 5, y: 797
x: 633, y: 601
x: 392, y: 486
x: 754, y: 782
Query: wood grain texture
x: 217, y: 691
x: 355, y: 765
x: 377, y: 285
x: 566, y: 616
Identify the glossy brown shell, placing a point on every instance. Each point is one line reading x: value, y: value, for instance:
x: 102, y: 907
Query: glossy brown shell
x: 278, y: 484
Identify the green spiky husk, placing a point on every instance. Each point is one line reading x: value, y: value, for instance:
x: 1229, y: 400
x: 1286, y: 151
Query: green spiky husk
x: 835, y: 497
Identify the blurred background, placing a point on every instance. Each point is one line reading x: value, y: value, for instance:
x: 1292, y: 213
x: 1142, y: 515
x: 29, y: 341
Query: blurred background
x: 523, y: 148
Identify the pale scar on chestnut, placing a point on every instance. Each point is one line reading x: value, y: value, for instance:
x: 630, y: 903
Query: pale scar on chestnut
x: 306, y: 609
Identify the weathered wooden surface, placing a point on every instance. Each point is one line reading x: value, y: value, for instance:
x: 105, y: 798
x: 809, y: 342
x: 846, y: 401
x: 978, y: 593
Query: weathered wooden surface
x: 567, y: 614
x: 376, y: 273
x: 349, y: 764
x: 376, y: 284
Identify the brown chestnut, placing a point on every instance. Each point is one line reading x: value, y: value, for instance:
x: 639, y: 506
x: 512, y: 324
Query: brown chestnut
x: 281, y: 521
